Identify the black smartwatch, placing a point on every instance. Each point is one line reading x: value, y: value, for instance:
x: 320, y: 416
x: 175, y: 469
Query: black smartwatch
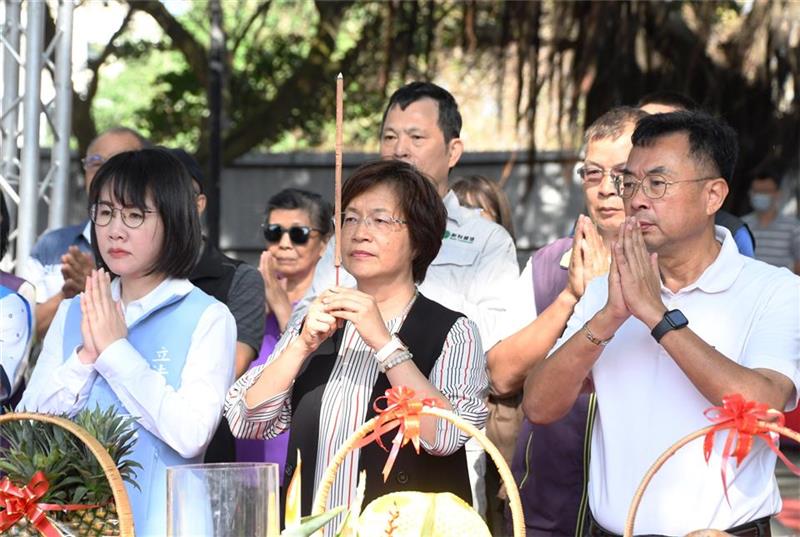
x: 672, y: 320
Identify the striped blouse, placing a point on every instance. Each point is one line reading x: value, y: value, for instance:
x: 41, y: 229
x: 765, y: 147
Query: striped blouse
x: 459, y: 373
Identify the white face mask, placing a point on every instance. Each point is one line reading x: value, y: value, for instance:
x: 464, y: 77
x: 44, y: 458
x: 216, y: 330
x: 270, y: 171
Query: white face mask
x: 760, y: 202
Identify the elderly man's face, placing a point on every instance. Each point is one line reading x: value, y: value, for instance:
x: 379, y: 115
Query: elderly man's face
x: 605, y: 156
x: 413, y: 136
x: 687, y: 207
x: 105, y: 147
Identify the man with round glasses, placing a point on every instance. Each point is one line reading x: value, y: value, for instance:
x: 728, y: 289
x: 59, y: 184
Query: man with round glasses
x: 61, y: 258
x: 681, y: 321
x: 549, y: 460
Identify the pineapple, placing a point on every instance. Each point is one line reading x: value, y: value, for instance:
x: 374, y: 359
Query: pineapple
x: 75, y: 476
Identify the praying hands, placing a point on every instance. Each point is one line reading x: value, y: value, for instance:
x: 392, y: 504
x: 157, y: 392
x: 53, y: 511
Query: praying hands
x: 102, y: 319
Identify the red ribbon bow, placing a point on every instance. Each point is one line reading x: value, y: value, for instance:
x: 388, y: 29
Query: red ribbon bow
x: 403, y: 411
x: 16, y: 503
x: 22, y: 502
x: 742, y: 417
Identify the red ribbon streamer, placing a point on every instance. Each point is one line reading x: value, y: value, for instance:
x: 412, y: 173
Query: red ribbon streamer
x: 742, y: 418
x: 403, y: 411
x: 22, y: 502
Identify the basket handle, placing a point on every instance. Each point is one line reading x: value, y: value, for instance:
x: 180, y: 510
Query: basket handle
x: 517, y: 516
x: 637, y: 497
x: 106, y: 462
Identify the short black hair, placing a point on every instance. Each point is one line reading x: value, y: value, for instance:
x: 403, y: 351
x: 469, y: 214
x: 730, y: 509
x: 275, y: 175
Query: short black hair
x: 711, y: 140
x: 449, y: 117
x: 669, y: 98
x: 131, y: 176
x: 422, y: 207
x: 5, y: 225
x: 192, y: 167
x: 144, y: 143
x: 768, y: 171
x: 612, y: 124
x: 319, y: 210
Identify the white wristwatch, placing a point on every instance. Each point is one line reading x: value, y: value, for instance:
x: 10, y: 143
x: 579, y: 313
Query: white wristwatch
x: 394, y: 344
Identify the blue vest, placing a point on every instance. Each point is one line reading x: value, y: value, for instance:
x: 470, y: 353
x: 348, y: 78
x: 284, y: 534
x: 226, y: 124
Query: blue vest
x: 9, y: 285
x: 162, y: 337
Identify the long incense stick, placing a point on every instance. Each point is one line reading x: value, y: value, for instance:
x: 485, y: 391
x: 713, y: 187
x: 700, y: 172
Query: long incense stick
x: 338, y: 177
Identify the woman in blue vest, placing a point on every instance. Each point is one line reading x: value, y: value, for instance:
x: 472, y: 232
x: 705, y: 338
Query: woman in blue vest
x: 141, y: 337
x: 322, y: 379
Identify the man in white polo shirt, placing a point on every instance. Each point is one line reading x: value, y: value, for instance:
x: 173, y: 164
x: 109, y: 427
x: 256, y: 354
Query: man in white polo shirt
x: 681, y: 320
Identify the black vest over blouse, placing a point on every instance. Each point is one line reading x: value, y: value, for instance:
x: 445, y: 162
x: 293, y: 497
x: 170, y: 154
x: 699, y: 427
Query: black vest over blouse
x: 424, y: 331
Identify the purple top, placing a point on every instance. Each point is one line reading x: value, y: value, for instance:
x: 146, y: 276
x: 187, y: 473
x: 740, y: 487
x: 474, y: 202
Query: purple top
x: 274, y: 449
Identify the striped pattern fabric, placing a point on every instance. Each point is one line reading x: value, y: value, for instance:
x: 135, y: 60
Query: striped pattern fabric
x: 459, y: 374
x: 778, y: 243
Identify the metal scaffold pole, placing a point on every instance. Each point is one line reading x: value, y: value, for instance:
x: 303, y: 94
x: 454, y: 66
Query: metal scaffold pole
x: 9, y: 126
x: 32, y: 105
x: 20, y: 174
x: 63, y: 117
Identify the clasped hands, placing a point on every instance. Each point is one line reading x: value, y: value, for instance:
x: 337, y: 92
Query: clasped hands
x: 349, y: 305
x: 634, y: 281
x: 102, y: 318
x: 76, y: 266
x: 589, y: 258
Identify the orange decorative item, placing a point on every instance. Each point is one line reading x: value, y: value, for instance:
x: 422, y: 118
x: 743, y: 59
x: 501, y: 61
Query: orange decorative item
x: 411, y: 513
x: 744, y: 420
x: 22, y: 502
x: 403, y: 411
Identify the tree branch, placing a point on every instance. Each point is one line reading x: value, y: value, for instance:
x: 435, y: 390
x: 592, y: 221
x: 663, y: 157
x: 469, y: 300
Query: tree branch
x: 262, y: 9
x: 194, y: 52
x: 285, y: 110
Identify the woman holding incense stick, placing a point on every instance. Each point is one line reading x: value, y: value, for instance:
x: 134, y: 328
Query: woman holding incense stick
x: 354, y: 344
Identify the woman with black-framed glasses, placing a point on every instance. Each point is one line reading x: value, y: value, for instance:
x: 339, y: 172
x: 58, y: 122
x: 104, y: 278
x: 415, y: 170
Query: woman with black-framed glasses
x: 296, y: 229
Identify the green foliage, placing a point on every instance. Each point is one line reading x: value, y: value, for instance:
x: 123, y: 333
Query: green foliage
x: 74, y: 474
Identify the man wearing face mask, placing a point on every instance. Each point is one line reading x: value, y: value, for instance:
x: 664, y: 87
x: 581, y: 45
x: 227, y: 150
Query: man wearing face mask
x: 777, y: 236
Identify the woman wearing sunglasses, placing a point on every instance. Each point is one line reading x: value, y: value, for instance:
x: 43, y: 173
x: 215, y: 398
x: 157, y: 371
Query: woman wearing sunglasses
x: 354, y: 344
x: 296, y: 230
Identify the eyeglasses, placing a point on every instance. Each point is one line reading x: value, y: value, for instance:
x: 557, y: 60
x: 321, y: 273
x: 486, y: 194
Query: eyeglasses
x: 102, y: 213
x: 378, y: 223
x: 297, y: 234
x: 92, y: 162
x: 593, y: 174
x: 653, y: 186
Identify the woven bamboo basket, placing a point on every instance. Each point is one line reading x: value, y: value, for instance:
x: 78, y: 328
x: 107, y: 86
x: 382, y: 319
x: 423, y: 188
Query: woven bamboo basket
x: 518, y: 518
x: 637, y: 497
x: 123, y: 505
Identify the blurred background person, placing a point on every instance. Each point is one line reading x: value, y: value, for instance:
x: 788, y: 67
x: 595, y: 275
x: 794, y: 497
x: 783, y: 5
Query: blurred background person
x: 777, y: 235
x: 296, y: 229
x: 480, y: 192
x: 17, y: 297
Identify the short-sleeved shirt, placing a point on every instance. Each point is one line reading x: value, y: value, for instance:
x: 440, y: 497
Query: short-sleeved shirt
x: 750, y: 312
x: 43, y: 267
x: 777, y: 243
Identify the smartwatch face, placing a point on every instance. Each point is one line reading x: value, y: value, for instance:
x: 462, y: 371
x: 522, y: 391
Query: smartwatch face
x: 677, y: 319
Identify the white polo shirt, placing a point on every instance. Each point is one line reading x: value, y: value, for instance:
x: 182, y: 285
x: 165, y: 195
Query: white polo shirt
x: 750, y: 312
x: 470, y: 274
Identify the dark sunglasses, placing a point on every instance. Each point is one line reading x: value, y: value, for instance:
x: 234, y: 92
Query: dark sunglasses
x: 297, y: 234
